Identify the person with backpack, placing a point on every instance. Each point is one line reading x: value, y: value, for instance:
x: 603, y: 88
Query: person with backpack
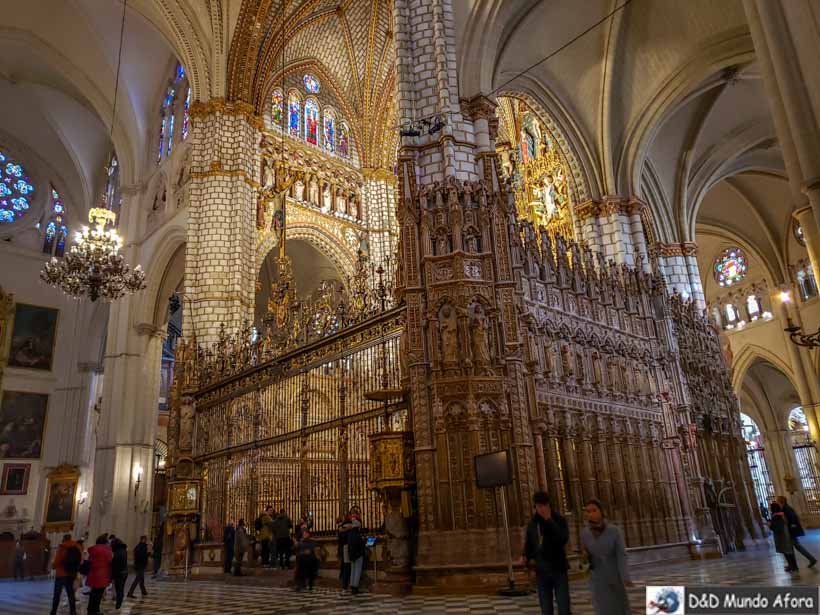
x: 140, y: 564
x: 265, y: 533
x: 782, y: 539
x: 99, y: 574
x: 307, y: 562
x: 66, y: 565
x: 546, y: 538
x: 795, y: 530
x: 119, y: 570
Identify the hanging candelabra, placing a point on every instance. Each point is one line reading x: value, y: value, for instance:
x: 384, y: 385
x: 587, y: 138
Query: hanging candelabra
x: 94, y: 267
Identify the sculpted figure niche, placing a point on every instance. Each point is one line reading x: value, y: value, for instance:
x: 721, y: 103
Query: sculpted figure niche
x: 313, y: 191
x: 479, y: 342
x: 276, y: 181
x: 326, y: 199
x: 448, y: 332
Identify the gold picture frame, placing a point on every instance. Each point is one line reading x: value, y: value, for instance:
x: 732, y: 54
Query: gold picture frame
x: 183, y: 497
x: 33, y: 335
x: 61, y: 497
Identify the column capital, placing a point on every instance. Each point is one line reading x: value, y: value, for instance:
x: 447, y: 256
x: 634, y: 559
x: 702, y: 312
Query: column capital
x: 150, y: 329
x: 233, y: 108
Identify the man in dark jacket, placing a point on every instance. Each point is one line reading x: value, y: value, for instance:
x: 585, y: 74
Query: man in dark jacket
x: 546, y: 539
x: 795, y: 529
x: 140, y: 564
x: 228, y: 538
x: 119, y: 569
x: 66, y: 565
x: 281, y: 532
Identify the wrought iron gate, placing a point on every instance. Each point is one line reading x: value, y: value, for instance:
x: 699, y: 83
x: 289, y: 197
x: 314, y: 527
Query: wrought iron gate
x: 764, y: 489
x: 805, y: 455
x: 293, y: 433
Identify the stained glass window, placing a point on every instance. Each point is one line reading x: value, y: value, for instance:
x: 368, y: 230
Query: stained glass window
x: 344, y: 140
x: 294, y: 114
x: 186, y: 115
x: 170, y: 135
x: 731, y: 313
x: 329, y: 130
x: 179, y: 74
x: 161, y: 139
x: 56, y: 228
x: 113, y: 198
x: 797, y: 420
x: 312, y: 121
x: 15, y: 190
x: 277, y: 101
x: 311, y: 84
x: 730, y: 267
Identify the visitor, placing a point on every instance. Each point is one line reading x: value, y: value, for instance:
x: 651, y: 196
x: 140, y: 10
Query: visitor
x: 341, y: 551
x: 603, y: 544
x: 265, y: 534
x: 307, y: 563
x: 546, y: 539
x: 140, y: 564
x: 99, y: 575
x: 355, y: 549
x: 281, y: 532
x: 66, y: 565
x: 795, y: 530
x: 119, y: 570
x: 241, y: 545
x: 782, y: 540
x: 228, y: 538
x: 19, y: 561
x: 156, y: 552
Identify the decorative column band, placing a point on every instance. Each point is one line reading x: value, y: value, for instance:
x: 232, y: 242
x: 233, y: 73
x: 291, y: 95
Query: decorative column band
x: 234, y: 108
x: 216, y: 170
x: 687, y: 248
x: 593, y: 208
x: 379, y: 174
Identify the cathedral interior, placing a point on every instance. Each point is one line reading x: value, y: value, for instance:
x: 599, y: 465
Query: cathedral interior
x: 319, y: 254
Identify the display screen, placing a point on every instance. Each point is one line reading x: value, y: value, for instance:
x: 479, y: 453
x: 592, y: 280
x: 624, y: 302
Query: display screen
x: 493, y: 469
x: 371, y: 540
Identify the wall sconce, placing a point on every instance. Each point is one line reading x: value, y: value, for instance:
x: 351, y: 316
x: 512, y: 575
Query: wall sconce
x: 137, y: 478
x: 785, y: 296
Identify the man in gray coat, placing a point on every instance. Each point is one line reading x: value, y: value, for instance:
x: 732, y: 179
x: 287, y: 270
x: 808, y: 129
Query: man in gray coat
x: 241, y: 546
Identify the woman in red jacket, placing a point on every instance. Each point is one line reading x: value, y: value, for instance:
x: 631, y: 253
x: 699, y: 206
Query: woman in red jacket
x: 99, y: 577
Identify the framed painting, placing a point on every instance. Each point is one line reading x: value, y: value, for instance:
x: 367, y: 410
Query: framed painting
x: 33, y: 337
x: 61, y: 495
x: 22, y: 424
x: 14, y: 480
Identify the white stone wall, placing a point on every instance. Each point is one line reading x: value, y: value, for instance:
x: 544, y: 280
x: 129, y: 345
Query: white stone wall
x: 379, y: 197
x: 72, y: 385
x: 219, y: 275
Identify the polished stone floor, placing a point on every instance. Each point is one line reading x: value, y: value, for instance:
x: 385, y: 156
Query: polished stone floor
x: 758, y: 567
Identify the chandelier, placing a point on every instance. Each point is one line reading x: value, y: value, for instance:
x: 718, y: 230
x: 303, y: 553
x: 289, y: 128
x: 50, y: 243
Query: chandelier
x: 93, y: 265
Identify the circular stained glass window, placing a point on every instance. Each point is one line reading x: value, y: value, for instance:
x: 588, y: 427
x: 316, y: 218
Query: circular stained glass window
x: 730, y: 267
x: 311, y: 84
x: 16, y: 190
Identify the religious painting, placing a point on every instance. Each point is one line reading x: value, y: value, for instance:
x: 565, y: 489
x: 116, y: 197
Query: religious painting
x: 14, y: 480
x: 62, y: 490
x: 312, y: 121
x: 33, y: 337
x: 22, y: 424
x: 184, y: 497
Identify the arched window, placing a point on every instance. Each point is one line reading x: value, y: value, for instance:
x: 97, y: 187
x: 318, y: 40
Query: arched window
x: 277, y: 101
x: 15, y: 190
x: 312, y: 121
x: 186, y: 115
x: 56, y: 229
x: 731, y: 313
x: 344, y: 140
x: 168, y: 111
x: 806, y: 282
x: 753, y: 307
x: 329, y: 130
x: 294, y: 114
x: 797, y: 421
x: 311, y: 84
x: 730, y: 267
x: 113, y: 198
x: 764, y: 489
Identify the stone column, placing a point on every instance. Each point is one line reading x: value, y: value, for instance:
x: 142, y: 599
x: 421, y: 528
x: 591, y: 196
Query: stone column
x: 788, y: 52
x: 220, y: 252
x: 124, y: 459
x: 811, y: 235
